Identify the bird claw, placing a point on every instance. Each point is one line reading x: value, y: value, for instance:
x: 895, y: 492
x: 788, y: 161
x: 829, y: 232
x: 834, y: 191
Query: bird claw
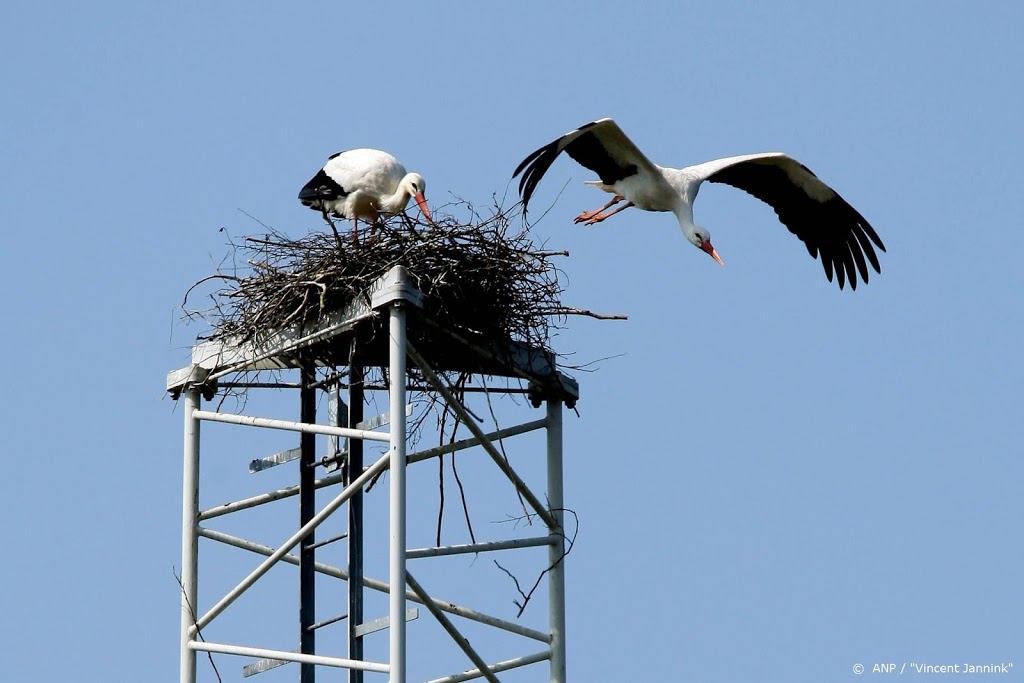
x: 589, y: 217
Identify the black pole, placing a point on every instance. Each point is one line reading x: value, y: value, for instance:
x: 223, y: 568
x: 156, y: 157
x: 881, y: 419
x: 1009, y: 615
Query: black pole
x: 307, y: 509
x: 354, y: 468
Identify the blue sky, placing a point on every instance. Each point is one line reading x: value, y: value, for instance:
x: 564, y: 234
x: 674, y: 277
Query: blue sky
x: 775, y: 481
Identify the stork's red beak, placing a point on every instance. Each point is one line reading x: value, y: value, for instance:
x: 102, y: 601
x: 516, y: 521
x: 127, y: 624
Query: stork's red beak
x: 421, y: 202
x: 706, y: 246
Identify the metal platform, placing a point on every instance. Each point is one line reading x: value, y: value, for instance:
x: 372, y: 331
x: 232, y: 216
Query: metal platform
x: 328, y: 342
x: 387, y: 328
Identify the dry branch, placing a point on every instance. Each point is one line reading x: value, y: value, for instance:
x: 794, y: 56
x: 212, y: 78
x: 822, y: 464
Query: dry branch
x: 484, y: 275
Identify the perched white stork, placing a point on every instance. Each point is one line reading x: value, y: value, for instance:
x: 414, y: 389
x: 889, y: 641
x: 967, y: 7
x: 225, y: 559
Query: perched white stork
x: 363, y: 183
x: 812, y: 210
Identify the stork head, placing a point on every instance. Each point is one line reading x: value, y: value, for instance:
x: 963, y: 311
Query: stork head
x: 701, y: 238
x: 413, y: 185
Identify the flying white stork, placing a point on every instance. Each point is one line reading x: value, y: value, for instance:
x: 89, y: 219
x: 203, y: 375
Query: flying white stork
x: 363, y: 183
x: 813, y: 211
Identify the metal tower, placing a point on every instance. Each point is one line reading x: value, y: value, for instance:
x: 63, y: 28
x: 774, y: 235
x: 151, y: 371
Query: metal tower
x: 393, y: 304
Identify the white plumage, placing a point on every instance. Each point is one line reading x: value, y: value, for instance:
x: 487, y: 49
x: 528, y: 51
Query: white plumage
x: 363, y: 184
x: 828, y: 226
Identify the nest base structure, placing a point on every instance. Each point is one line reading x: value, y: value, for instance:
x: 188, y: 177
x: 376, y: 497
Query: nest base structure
x: 388, y: 330
x: 328, y: 343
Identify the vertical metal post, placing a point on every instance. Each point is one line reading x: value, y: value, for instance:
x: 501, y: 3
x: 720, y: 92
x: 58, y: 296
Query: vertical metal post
x: 189, y: 534
x: 556, y: 551
x: 334, y: 418
x: 354, y: 467
x: 397, y: 503
x: 307, y: 509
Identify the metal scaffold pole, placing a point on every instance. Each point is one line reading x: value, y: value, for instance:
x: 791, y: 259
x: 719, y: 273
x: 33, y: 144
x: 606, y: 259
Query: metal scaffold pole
x: 355, y: 515
x: 189, y: 534
x: 307, y: 509
x: 556, y: 551
x: 397, y: 546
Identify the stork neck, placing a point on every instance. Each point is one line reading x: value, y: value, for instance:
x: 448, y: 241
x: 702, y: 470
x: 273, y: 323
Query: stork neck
x: 396, y: 202
x: 684, y: 213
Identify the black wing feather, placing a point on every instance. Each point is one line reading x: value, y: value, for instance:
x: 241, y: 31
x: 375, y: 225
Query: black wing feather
x: 587, y: 148
x: 590, y: 153
x: 831, y: 229
x: 321, y: 187
x: 536, y: 165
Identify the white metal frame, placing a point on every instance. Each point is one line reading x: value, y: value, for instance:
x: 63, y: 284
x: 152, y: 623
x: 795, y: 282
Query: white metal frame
x: 395, y: 295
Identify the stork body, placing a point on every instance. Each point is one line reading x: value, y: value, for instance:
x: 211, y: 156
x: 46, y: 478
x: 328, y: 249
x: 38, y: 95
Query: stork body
x: 828, y: 226
x: 363, y: 184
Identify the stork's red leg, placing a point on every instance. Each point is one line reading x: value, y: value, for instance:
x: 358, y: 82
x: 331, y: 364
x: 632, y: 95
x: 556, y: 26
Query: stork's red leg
x: 588, y: 215
x: 355, y: 232
x: 600, y: 217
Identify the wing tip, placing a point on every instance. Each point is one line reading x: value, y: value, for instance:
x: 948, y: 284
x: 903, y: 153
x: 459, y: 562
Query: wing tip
x: 534, y: 166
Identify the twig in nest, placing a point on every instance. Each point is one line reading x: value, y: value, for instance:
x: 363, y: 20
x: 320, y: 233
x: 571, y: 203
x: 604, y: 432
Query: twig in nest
x: 334, y: 228
x: 482, y: 277
x: 566, y: 310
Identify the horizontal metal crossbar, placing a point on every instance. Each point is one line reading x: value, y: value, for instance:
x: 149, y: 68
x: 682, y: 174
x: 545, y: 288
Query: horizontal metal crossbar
x: 382, y: 623
x: 268, y: 497
x: 481, y: 547
x: 327, y: 541
x: 496, y: 668
x: 289, y: 425
x: 286, y: 656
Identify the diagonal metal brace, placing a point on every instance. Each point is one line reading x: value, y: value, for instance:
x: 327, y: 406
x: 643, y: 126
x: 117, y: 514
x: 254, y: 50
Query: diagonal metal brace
x: 293, y: 541
x: 464, y: 415
x: 450, y: 628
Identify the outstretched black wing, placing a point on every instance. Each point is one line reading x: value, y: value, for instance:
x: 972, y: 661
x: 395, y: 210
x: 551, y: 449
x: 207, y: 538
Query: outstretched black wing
x: 828, y: 226
x: 599, y: 145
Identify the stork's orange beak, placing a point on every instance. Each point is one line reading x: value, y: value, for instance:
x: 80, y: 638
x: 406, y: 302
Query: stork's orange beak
x: 421, y: 202
x: 706, y: 246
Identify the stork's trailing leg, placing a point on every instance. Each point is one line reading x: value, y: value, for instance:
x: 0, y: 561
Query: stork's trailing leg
x: 587, y: 215
x: 597, y: 216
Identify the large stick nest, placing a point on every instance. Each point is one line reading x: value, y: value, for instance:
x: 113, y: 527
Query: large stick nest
x: 485, y: 275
